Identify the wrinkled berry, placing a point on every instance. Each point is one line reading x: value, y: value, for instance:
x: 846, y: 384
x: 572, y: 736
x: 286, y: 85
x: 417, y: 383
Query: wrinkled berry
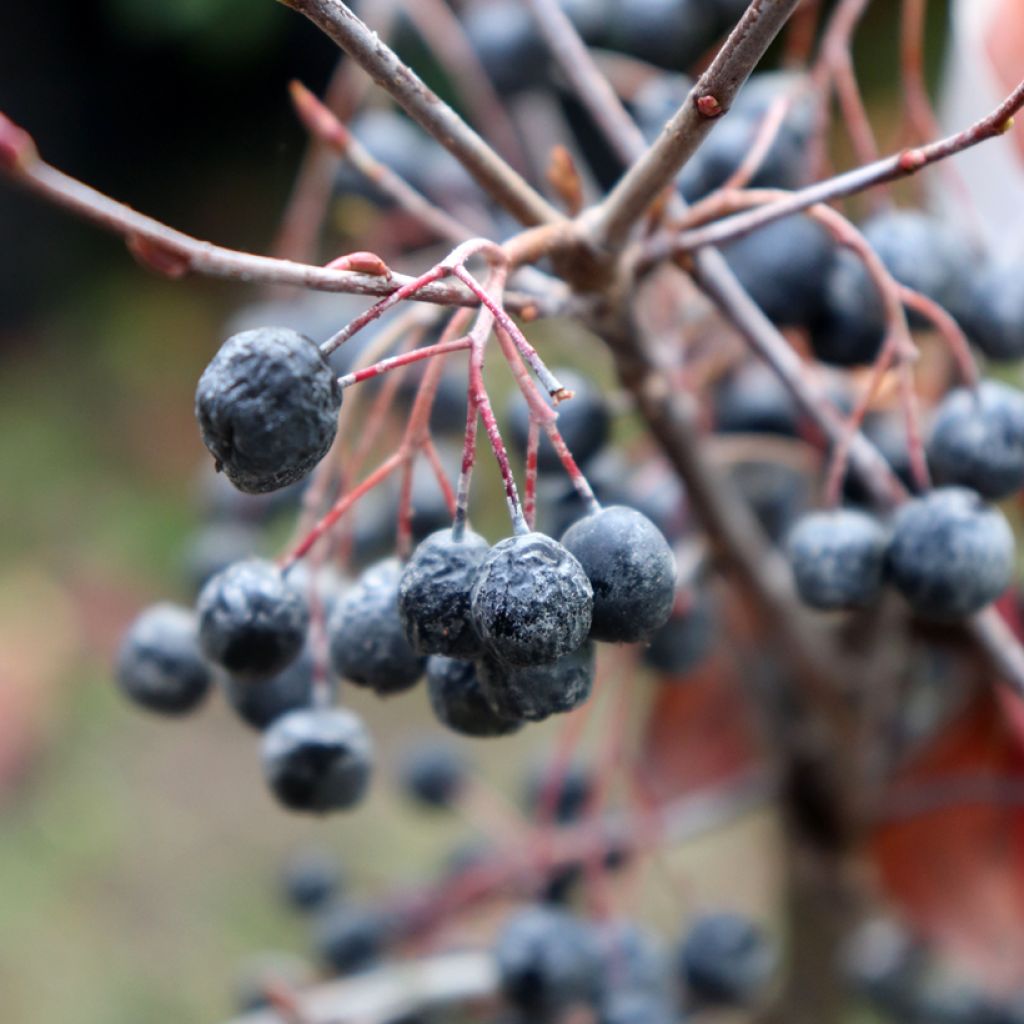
x: 838, y: 558
x: 159, y: 665
x: 433, y: 594
x: 536, y: 692
x: 631, y: 569
x: 531, y: 601
x: 267, y: 407
x: 252, y: 622
x: 458, y: 701
x: 318, y: 759
x: 977, y: 440
x: 367, y: 641
x: 950, y: 554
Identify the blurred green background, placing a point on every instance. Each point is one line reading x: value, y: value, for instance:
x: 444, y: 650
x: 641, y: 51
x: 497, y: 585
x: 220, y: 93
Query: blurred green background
x: 138, y: 856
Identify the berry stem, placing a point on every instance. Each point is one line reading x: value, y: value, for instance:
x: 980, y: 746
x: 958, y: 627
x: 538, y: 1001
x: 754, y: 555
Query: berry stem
x: 532, y: 446
x: 393, y: 362
x: 466, y: 471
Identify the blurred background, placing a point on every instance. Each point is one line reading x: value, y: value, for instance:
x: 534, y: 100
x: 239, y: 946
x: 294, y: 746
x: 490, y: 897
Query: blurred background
x: 139, y: 856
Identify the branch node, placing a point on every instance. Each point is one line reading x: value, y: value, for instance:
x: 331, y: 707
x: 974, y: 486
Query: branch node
x: 709, y: 107
x: 17, y: 147
x: 159, y: 257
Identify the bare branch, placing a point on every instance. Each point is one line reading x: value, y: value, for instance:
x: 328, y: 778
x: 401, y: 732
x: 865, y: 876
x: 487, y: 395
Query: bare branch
x: 174, y: 253
x: 899, y: 165
x: 710, y: 98
x: 425, y: 107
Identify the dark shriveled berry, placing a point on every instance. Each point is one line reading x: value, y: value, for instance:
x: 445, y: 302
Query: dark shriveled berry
x: 631, y: 569
x: 547, y: 961
x: 318, y: 759
x: 977, y: 440
x: 259, y: 702
x: 367, y: 641
x: 950, y: 554
x: 457, y: 699
x: 531, y: 601
x: 838, y: 558
x: 267, y: 407
x: 726, y: 958
x: 433, y: 594
x: 159, y: 665
x: 252, y: 622
x: 536, y: 692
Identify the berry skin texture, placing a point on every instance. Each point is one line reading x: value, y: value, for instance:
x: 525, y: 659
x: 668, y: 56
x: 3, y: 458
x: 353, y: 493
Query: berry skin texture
x: 367, y: 641
x: 318, y: 759
x: 726, y: 958
x: 252, y: 622
x: 977, y: 440
x: 950, y: 554
x: 838, y: 558
x: 531, y: 601
x: 433, y: 776
x: 259, y: 702
x: 457, y: 700
x: 433, y: 594
x: 267, y: 406
x: 159, y: 665
x: 536, y: 692
x: 547, y: 961
x: 631, y: 569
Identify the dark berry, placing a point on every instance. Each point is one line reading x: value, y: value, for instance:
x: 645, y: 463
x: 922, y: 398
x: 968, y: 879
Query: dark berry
x: 560, y: 504
x: 923, y: 253
x: 635, y: 960
x: 505, y: 38
x: 367, y: 641
x: 726, y: 958
x: 259, y: 702
x: 941, y: 998
x: 547, y: 961
x: 311, y: 878
x: 783, y: 267
x: 752, y: 400
x: 536, y: 692
x: 977, y: 440
x: 631, y: 569
x: 838, y: 558
x: 686, y: 639
x: 213, y: 548
x: 850, y: 327
x: 531, y: 601
x: 669, y: 33
x: 776, y: 493
x: 159, y: 665
x: 350, y: 939
x: 318, y: 759
x: 950, y: 554
x: 458, y: 700
x: 657, y: 99
x: 267, y: 407
x: 584, y: 423
x: 433, y: 594
x: 591, y: 18
x: 433, y: 776
x: 994, y: 311
x: 570, y: 792
x: 252, y: 622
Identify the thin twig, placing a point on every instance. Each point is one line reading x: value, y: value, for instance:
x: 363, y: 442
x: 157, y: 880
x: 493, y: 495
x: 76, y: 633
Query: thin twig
x: 504, y: 185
